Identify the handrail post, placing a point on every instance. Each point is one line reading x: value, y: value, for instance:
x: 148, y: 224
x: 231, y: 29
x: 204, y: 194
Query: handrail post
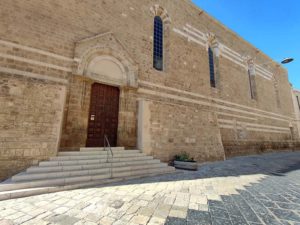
x: 106, y: 141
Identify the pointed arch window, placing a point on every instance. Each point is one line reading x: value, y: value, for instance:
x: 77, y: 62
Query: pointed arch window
x: 158, y: 43
x: 211, y: 67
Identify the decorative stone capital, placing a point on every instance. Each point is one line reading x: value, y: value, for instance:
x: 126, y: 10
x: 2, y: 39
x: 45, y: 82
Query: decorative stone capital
x: 213, y: 42
x: 158, y: 10
x: 251, y: 65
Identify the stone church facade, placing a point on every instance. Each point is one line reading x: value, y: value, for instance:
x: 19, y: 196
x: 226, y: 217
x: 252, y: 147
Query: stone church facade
x: 161, y: 76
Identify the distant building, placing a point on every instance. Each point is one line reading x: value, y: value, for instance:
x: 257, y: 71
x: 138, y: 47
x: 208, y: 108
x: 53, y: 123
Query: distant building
x: 160, y: 76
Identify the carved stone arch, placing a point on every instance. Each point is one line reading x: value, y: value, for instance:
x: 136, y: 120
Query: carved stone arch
x: 211, y: 38
x: 158, y: 10
x: 103, y: 58
x: 250, y: 62
x: 212, y: 41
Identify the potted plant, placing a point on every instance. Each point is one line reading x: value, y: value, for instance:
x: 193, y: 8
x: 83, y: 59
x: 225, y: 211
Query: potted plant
x: 183, y: 161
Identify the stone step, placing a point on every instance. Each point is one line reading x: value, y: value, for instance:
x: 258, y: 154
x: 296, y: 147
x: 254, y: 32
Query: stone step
x: 88, y: 167
x: 19, y: 193
x: 98, y: 156
x: 101, y: 149
x: 66, y: 174
x: 80, y: 179
x: 93, y: 161
x: 77, y: 153
x: 38, y: 169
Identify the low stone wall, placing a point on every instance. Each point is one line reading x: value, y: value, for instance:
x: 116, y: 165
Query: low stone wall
x: 30, y: 122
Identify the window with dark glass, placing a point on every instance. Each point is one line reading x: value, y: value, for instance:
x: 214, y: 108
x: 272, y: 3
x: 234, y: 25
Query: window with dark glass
x: 298, y: 102
x: 158, y: 44
x: 250, y: 84
x: 211, y: 67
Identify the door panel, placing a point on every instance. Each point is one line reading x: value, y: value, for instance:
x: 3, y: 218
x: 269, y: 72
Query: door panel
x: 103, y: 117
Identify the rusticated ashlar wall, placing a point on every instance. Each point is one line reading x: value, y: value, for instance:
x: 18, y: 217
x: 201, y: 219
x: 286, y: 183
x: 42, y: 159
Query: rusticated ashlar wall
x: 30, y: 121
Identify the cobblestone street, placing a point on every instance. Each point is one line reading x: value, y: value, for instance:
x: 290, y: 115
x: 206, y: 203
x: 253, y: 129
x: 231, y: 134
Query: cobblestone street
x: 250, y: 190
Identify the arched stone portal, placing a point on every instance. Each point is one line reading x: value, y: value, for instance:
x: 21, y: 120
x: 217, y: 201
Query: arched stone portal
x: 101, y: 60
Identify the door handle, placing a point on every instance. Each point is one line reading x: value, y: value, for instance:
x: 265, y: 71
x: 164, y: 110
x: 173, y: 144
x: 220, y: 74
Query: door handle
x: 92, y: 117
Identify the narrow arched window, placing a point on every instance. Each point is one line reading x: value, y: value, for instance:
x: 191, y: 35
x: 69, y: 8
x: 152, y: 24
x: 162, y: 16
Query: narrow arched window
x: 211, y: 67
x: 251, y: 85
x: 158, y: 44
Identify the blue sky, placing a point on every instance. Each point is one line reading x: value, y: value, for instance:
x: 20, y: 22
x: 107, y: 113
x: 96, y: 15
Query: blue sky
x: 273, y: 26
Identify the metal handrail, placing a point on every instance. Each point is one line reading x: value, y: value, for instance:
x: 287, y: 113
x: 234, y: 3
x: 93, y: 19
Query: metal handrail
x: 106, y: 142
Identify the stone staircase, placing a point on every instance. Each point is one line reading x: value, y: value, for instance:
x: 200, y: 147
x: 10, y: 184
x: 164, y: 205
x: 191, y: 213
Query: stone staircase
x: 85, y: 168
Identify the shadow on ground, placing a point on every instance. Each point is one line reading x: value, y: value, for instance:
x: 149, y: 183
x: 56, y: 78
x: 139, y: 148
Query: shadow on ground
x: 275, y: 164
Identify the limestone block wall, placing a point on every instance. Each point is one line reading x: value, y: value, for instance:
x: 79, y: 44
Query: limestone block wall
x: 30, y: 122
x: 173, y: 129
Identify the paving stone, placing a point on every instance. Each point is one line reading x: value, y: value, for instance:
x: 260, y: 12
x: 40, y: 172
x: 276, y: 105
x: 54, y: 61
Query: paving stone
x: 156, y: 221
x: 228, y: 192
x: 284, y: 222
x: 277, y: 198
x: 246, y: 209
x: 15, y: 216
x: 286, y: 215
x: 250, y: 223
x: 176, y: 221
x: 140, y: 220
x: 269, y: 204
x: 198, y: 217
x: 178, y: 211
x: 63, y: 219
x: 219, y: 212
x: 220, y: 221
x: 202, y: 207
x: 269, y: 219
x: 216, y: 204
x: 117, y: 204
x: 6, y: 222
x: 145, y: 211
x: 61, y: 210
x: 107, y: 221
x: 290, y: 206
x: 162, y: 211
x: 93, y: 217
x: 22, y: 219
x: 120, y: 222
x: 236, y: 220
x: 36, y: 212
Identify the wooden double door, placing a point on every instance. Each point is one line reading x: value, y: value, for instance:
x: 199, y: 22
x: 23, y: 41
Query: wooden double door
x: 103, y: 116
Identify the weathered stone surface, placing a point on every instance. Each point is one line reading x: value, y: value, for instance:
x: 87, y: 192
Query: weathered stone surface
x: 31, y: 119
x: 51, y: 47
